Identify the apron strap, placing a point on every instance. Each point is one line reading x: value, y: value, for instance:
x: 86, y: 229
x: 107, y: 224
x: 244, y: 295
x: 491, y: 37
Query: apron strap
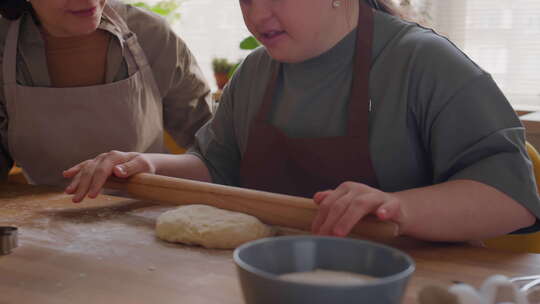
x: 136, y: 59
x: 126, y: 34
x: 360, y: 101
x: 270, y: 92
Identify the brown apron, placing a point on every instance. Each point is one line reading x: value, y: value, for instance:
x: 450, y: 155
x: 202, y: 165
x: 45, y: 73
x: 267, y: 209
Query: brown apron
x: 52, y: 129
x: 302, y: 166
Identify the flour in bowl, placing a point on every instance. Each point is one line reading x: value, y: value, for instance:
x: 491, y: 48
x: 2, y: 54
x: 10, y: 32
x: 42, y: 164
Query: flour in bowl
x: 328, y: 277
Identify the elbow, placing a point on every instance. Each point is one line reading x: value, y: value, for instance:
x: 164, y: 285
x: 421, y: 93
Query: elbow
x: 526, y: 218
x: 530, y: 218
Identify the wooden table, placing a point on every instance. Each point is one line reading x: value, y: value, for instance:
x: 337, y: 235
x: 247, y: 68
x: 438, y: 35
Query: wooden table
x: 531, y: 122
x: 105, y: 251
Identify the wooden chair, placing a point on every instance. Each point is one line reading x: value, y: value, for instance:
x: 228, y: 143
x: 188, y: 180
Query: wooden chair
x: 171, y: 145
x: 16, y: 176
x: 523, y: 242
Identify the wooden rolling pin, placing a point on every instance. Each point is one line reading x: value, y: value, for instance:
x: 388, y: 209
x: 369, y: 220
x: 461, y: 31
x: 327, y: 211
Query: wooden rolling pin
x: 271, y: 208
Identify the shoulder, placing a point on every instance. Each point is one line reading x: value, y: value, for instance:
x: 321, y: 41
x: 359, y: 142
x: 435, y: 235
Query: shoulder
x: 144, y: 23
x: 165, y: 51
x: 153, y: 31
x: 425, y: 51
x: 436, y: 52
x: 426, y: 67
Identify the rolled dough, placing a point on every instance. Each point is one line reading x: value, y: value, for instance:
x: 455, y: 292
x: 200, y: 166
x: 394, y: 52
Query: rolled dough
x: 209, y: 227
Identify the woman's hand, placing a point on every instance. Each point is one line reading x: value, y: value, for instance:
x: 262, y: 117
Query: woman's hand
x: 89, y: 176
x: 342, y: 208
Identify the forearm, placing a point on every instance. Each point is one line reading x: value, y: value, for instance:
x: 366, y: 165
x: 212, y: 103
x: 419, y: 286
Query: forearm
x: 183, y: 166
x: 461, y: 210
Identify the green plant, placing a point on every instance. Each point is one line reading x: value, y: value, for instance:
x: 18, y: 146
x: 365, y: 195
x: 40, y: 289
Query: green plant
x: 222, y: 66
x: 166, y: 8
x: 222, y: 71
x: 249, y: 43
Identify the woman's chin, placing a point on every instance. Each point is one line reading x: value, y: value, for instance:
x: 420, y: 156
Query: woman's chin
x: 83, y: 30
x: 285, y: 57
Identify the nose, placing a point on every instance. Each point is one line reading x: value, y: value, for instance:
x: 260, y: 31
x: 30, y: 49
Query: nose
x: 259, y: 11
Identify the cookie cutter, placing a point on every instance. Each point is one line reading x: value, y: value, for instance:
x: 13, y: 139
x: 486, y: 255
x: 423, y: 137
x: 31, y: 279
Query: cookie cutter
x: 8, y: 239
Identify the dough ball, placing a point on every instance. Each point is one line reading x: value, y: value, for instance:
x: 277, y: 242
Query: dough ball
x: 210, y: 227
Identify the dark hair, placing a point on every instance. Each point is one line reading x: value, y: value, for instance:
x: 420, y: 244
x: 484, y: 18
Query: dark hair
x: 391, y: 8
x: 13, y: 9
x: 383, y: 6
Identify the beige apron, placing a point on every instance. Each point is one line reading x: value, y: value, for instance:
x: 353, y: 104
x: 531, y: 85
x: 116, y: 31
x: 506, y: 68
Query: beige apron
x: 52, y: 129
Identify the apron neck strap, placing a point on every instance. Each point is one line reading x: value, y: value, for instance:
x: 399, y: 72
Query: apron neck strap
x: 135, y: 58
x: 360, y: 101
x: 270, y: 92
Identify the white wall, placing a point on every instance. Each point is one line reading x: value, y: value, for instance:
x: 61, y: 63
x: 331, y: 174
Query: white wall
x: 502, y: 36
x: 212, y: 28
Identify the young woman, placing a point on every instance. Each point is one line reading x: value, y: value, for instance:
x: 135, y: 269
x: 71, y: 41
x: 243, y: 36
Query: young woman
x: 83, y: 77
x: 364, y: 112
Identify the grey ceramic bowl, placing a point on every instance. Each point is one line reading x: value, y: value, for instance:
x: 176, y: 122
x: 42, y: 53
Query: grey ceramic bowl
x: 259, y: 263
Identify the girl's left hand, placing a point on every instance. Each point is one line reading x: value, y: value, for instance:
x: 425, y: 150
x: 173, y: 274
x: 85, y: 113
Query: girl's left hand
x: 340, y: 209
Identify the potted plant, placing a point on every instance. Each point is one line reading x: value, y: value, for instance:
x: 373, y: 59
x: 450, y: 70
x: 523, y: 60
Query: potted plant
x: 222, y: 68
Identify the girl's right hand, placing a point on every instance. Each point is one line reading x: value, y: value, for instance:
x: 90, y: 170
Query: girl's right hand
x: 89, y: 176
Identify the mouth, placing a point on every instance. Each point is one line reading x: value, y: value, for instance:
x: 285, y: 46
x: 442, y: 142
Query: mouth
x: 270, y: 37
x: 84, y: 12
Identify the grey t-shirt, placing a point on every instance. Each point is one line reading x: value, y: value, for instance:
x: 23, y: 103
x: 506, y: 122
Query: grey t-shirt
x: 436, y: 116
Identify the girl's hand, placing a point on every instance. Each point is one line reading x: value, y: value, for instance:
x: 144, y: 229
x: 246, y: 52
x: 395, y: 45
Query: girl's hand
x: 340, y: 209
x: 89, y: 176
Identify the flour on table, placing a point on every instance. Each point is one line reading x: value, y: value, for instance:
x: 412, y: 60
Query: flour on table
x: 209, y: 227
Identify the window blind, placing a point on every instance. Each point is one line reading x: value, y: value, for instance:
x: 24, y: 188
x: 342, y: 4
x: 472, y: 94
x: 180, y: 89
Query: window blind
x: 502, y: 36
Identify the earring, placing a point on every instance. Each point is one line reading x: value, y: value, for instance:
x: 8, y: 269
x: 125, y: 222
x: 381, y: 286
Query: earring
x: 336, y: 3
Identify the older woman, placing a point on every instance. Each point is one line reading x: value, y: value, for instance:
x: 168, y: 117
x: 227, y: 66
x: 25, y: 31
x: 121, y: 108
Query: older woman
x: 386, y: 116
x: 83, y: 77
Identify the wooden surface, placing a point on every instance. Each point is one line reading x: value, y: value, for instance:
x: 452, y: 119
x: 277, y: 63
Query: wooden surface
x: 532, y: 116
x: 104, y: 251
x: 531, y: 122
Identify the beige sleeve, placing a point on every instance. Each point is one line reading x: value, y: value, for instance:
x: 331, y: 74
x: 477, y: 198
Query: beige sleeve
x: 185, y: 93
x: 186, y: 103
